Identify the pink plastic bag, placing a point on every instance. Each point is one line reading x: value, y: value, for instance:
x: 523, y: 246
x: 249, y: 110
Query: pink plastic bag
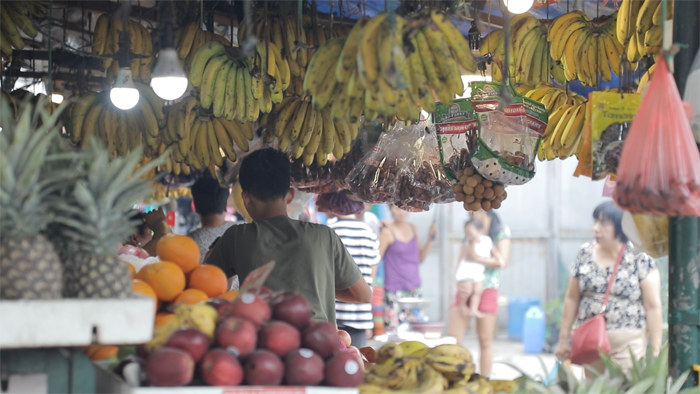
x: 659, y: 171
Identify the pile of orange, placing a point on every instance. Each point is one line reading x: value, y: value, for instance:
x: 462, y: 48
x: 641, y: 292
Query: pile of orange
x: 178, y: 277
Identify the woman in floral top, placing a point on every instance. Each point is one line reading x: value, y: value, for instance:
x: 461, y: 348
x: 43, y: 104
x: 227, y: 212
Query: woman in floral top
x: 488, y: 306
x: 633, y: 313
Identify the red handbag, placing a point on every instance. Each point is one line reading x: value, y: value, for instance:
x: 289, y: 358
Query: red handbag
x: 591, y: 337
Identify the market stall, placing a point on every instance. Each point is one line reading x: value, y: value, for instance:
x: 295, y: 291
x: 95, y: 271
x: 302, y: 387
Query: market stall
x: 380, y: 102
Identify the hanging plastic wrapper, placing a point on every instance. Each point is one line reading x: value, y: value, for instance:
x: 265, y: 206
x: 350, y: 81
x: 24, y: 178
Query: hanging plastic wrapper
x: 611, y: 119
x: 366, y: 140
x: 314, y: 175
x: 457, y: 131
x: 508, y: 138
x: 338, y: 203
x: 433, y: 169
x: 659, y: 171
x: 692, y: 96
x: 647, y: 233
x: 373, y: 180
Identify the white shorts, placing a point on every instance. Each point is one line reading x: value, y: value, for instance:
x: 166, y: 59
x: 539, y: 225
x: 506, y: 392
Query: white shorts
x: 468, y: 270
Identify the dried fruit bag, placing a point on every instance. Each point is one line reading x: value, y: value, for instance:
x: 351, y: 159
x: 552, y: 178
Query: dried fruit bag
x: 373, y: 180
x: 457, y: 130
x: 508, y: 139
x: 611, y: 119
x: 659, y: 171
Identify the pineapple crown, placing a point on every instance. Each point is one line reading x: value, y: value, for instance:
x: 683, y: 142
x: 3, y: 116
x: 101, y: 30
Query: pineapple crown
x: 25, y: 178
x: 648, y: 375
x: 91, y: 207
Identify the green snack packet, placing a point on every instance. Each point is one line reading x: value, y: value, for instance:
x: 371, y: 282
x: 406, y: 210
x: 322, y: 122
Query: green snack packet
x: 456, y: 128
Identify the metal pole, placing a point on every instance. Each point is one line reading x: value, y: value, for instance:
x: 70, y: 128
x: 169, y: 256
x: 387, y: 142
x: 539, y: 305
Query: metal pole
x: 684, y: 232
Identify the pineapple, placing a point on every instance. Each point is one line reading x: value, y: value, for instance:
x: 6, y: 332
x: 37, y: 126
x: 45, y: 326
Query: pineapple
x: 648, y: 375
x: 91, y: 221
x: 29, y: 266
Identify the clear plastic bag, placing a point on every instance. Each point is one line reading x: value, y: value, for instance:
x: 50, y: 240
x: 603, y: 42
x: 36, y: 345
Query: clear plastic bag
x: 310, y: 176
x: 659, y: 171
x: 414, y: 191
x: 338, y: 203
x: 373, y: 180
x: 508, y: 138
x: 343, y: 167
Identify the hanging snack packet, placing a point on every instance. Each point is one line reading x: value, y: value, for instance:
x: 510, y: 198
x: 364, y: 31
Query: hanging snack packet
x: 659, y: 171
x: 508, y: 139
x: 414, y: 183
x: 433, y: 169
x: 457, y: 130
x: 611, y: 119
x: 373, y: 180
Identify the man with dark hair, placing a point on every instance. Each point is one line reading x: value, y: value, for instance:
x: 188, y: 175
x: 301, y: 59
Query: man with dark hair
x: 310, y: 258
x: 210, y: 204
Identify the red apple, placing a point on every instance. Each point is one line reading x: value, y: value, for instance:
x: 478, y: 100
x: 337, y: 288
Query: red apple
x: 343, y: 370
x: 279, y: 338
x: 193, y: 341
x: 292, y: 308
x: 239, y: 334
x: 322, y: 338
x: 169, y: 367
x: 303, y: 367
x: 221, y: 368
x: 251, y: 307
x: 263, y: 368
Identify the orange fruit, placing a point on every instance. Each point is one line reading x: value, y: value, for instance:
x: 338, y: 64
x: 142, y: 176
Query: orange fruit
x: 209, y: 279
x: 103, y: 352
x: 179, y: 249
x: 144, y: 288
x: 191, y: 297
x: 163, y: 318
x: 132, y: 270
x: 229, y: 295
x: 166, y: 279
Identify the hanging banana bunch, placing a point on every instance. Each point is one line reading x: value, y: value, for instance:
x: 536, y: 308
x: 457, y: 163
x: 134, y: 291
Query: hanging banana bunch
x: 190, y: 38
x: 310, y: 133
x: 295, y: 45
x: 16, y: 17
x: 371, y: 72
x: 639, y: 28
x: 586, y: 47
x: 94, y: 116
x: 106, y: 42
x: 239, y: 89
x: 530, y: 49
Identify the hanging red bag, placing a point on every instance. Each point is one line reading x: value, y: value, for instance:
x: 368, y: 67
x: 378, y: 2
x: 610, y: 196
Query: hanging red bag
x: 659, y: 170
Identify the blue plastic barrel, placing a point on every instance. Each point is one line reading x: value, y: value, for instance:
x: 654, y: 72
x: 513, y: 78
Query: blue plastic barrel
x: 533, y: 330
x: 517, y: 307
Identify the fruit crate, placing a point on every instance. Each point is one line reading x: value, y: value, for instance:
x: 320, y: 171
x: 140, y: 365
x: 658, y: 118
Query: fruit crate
x: 75, y: 322
x: 107, y: 382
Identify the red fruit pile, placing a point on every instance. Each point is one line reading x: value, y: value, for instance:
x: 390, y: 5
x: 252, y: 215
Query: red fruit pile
x: 250, y: 348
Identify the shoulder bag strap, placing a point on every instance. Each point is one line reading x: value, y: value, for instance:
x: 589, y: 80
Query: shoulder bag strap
x: 612, y: 277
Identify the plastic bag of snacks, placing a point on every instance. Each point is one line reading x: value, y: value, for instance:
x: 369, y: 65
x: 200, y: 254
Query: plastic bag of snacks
x: 338, y: 203
x: 457, y: 131
x: 659, y: 171
x: 508, y: 139
x: 414, y: 191
x: 373, y: 180
x: 433, y: 169
x: 366, y: 140
x: 610, y: 122
x: 310, y: 176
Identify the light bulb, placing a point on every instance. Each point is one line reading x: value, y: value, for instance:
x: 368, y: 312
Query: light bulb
x: 123, y: 94
x: 57, y: 98
x: 518, y: 6
x: 168, y: 80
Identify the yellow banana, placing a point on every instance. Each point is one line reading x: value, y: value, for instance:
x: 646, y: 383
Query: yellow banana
x: 348, y: 55
x: 201, y: 58
x: 325, y: 58
x: 219, y: 95
x: 236, y: 133
x: 458, y: 44
x: 367, y: 56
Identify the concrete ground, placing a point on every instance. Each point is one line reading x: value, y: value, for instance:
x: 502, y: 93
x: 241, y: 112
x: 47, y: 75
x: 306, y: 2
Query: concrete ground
x: 507, y: 351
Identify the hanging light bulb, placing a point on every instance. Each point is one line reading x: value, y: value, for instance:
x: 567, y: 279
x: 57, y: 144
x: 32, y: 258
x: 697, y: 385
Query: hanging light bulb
x: 123, y: 94
x: 169, y: 80
x: 518, y: 6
